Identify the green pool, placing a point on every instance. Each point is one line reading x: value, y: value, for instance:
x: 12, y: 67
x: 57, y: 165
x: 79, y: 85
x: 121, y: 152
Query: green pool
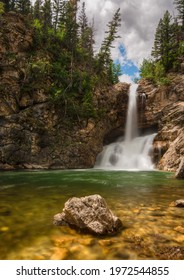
x: 152, y: 228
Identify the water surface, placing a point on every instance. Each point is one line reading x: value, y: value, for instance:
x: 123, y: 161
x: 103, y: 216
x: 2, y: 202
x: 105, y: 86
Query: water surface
x: 152, y: 228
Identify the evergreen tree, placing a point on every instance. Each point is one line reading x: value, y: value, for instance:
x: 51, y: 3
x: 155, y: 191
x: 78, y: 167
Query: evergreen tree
x: 114, y: 72
x: 83, y: 21
x: 12, y: 5
x: 86, y: 32
x: 47, y: 15
x: 157, y: 50
x: 91, y: 40
x: 176, y: 43
x: 56, y: 13
x: 105, y: 60
x: 179, y: 4
x: 23, y: 6
x: 37, y: 13
x: 68, y: 24
x: 9, y: 5
x: 164, y: 42
x: 6, y: 5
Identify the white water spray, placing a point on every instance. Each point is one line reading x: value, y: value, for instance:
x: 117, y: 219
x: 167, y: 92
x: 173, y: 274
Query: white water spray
x: 134, y: 152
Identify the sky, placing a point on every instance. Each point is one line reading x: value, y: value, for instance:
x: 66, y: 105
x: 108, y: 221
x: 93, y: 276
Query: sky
x: 139, y: 19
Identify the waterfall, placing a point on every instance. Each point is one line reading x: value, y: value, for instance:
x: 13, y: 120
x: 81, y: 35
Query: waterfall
x: 131, y: 129
x: 132, y: 153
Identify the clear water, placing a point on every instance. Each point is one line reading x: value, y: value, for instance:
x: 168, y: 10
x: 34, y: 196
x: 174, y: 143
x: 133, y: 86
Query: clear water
x: 29, y: 200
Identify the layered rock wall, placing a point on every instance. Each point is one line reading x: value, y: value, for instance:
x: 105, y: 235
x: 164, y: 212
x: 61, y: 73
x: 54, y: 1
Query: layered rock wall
x: 163, y: 107
x: 35, y: 133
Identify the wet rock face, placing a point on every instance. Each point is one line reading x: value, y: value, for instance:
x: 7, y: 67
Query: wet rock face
x: 89, y: 213
x: 164, y: 106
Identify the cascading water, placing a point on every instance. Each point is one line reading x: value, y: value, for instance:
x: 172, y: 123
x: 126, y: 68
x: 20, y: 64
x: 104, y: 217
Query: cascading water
x: 132, y: 153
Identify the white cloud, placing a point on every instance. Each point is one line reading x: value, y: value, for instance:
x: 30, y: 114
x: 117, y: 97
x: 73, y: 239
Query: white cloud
x: 125, y: 79
x: 139, y: 21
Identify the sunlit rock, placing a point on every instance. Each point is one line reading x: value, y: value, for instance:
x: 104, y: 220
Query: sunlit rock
x: 89, y: 213
x: 178, y: 203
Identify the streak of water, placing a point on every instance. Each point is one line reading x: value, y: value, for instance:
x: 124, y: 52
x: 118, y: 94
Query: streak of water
x: 134, y: 152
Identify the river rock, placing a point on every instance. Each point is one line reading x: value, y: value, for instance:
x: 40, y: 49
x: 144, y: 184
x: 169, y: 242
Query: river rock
x: 89, y: 213
x: 178, y: 203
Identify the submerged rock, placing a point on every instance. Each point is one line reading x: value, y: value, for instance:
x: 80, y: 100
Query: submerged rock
x: 178, y: 203
x: 89, y: 213
x: 170, y: 253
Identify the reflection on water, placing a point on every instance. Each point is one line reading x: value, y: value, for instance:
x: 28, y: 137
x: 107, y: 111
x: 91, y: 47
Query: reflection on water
x: 152, y: 229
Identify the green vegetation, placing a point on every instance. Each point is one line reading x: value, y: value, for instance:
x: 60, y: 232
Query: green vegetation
x: 62, y: 60
x: 168, y: 47
x: 2, y: 9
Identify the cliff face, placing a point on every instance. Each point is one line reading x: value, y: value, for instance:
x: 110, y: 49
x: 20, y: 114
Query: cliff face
x: 163, y: 107
x: 35, y: 133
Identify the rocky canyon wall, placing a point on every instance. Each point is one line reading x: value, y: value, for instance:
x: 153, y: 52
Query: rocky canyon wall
x: 35, y: 133
x: 163, y: 107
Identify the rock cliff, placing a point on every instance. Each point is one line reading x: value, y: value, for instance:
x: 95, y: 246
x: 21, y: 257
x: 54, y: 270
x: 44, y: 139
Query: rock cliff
x: 162, y: 107
x: 35, y: 133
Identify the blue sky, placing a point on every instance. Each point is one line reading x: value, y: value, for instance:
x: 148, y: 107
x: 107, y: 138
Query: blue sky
x: 139, y: 19
x: 128, y: 67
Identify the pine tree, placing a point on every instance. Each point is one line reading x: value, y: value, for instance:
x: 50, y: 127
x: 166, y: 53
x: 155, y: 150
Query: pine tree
x: 157, y: 50
x: 179, y: 4
x: 47, y: 15
x: 37, y: 13
x: 12, y: 5
x: 91, y: 40
x: 23, y: 6
x: 6, y: 5
x: 105, y: 51
x: 56, y: 13
x: 68, y: 24
x: 9, y: 5
x: 83, y: 21
x: 164, y: 42
x: 86, y: 32
x: 176, y: 43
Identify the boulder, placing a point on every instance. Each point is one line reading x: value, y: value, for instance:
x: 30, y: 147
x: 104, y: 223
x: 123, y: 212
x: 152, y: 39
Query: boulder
x: 89, y: 214
x: 178, y: 203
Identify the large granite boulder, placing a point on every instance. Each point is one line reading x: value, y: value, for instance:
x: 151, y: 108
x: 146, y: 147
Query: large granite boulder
x: 90, y: 214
